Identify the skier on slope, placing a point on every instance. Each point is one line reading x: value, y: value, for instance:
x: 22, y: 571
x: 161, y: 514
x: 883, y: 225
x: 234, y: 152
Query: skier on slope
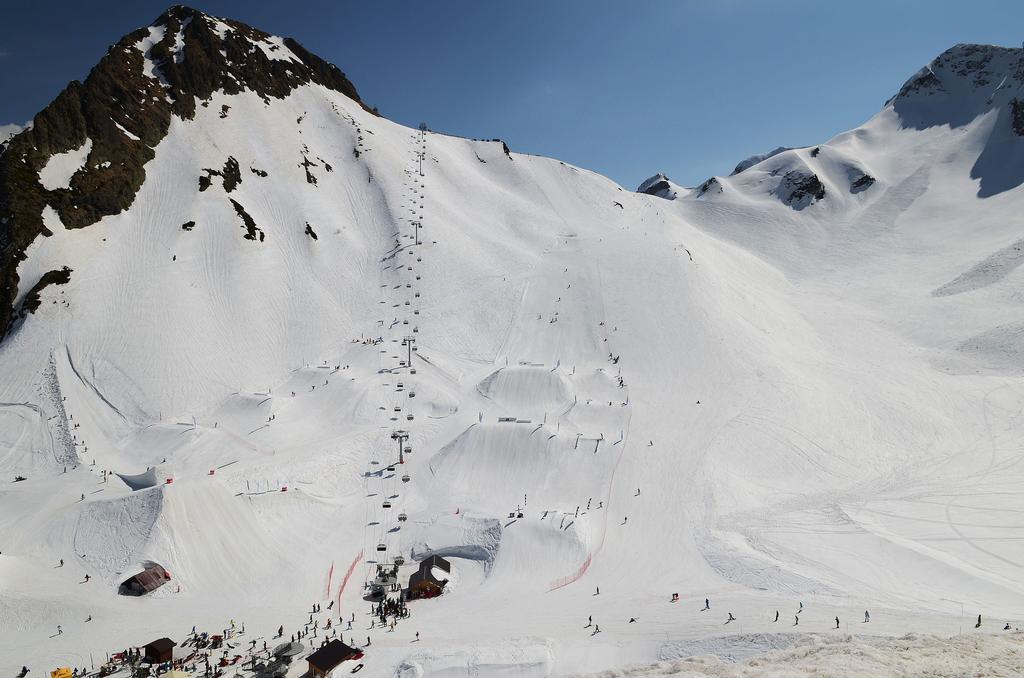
x: 730, y: 619
x: 837, y: 621
x: 776, y: 615
x: 867, y: 617
x: 978, y: 625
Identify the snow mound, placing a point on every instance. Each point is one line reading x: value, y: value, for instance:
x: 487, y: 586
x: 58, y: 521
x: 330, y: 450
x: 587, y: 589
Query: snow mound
x: 522, y: 658
x: 61, y: 167
x: 525, y: 390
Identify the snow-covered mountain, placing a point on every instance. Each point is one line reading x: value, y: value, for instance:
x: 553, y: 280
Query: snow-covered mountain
x: 228, y: 283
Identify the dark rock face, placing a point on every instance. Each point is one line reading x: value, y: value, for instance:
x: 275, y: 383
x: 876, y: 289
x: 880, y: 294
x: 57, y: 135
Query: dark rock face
x: 924, y: 82
x: 709, y: 185
x: 231, y: 175
x: 800, y: 189
x: 1017, y: 117
x: 252, y: 231
x: 125, y: 113
x: 306, y: 164
x: 34, y: 297
x: 862, y: 183
x: 658, y: 185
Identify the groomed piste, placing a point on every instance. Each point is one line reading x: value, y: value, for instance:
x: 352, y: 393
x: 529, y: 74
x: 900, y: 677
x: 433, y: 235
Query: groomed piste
x: 777, y: 412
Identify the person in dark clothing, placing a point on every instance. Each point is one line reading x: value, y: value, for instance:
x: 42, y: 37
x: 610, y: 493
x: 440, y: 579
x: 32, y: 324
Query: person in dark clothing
x: 776, y: 615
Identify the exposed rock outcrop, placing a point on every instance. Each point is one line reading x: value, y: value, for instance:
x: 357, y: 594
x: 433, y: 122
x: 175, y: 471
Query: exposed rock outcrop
x: 800, y: 189
x: 252, y: 231
x: 34, y: 297
x: 712, y: 185
x: 861, y: 183
x: 1017, y: 116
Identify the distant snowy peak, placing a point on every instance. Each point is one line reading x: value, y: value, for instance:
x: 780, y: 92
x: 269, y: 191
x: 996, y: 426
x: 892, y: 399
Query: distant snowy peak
x: 754, y: 159
x: 659, y: 186
x: 962, y: 83
x: 122, y: 111
x: 958, y: 87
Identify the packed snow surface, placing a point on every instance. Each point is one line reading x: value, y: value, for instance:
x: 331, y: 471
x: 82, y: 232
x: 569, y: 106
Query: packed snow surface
x: 914, y: 654
x: 813, y: 405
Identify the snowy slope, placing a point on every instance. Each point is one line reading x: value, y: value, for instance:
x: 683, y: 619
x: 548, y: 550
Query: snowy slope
x: 741, y: 393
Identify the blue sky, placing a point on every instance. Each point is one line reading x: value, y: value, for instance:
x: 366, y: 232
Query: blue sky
x: 624, y: 88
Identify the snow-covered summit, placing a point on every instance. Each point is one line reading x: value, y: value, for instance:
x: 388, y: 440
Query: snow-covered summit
x: 754, y: 159
x: 976, y: 86
x: 122, y: 111
x: 658, y: 185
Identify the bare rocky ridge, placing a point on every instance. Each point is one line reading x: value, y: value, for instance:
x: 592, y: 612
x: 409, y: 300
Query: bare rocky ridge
x: 124, y: 107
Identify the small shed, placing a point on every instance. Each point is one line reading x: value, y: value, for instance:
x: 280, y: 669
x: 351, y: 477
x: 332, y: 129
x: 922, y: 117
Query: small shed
x: 160, y: 650
x: 150, y: 579
x: 329, y: 656
x: 423, y: 583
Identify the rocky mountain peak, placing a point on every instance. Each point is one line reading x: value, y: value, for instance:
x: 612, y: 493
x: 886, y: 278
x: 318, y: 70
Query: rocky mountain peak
x: 122, y: 110
x: 963, y: 82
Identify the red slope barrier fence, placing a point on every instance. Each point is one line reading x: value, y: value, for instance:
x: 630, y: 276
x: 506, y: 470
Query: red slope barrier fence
x: 344, y: 582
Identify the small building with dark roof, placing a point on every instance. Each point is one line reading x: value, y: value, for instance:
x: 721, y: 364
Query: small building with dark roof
x: 150, y: 579
x: 160, y: 650
x: 423, y: 583
x: 329, y: 657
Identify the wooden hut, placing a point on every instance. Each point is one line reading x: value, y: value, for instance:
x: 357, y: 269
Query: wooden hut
x: 423, y: 583
x: 329, y: 657
x: 160, y: 650
x: 150, y: 579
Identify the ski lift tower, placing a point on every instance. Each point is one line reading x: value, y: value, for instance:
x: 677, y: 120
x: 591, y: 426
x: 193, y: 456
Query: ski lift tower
x: 408, y: 342
x: 401, y: 437
x: 420, y: 154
